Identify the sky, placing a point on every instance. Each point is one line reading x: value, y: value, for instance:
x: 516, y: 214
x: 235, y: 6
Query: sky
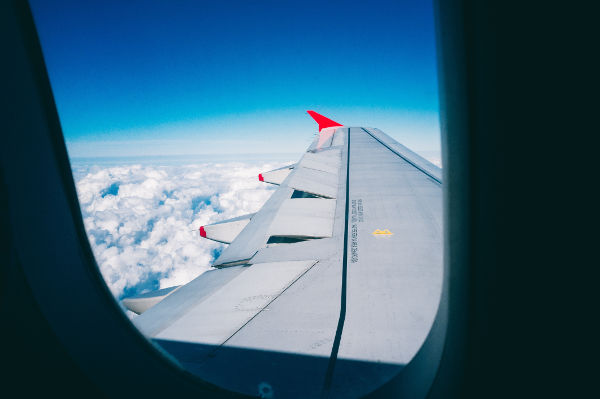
x: 140, y: 78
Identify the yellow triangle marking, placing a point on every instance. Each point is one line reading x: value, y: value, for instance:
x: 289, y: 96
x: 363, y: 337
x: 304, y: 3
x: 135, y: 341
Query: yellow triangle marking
x: 385, y: 232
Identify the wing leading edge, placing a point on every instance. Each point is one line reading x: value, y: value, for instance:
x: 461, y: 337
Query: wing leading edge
x: 336, y: 278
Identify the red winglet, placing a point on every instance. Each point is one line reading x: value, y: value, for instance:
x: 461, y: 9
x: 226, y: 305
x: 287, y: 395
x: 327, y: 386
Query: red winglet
x: 202, y: 232
x: 260, y: 177
x: 322, y: 120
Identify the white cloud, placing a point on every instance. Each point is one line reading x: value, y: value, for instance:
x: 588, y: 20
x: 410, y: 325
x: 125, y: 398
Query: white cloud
x: 143, y: 220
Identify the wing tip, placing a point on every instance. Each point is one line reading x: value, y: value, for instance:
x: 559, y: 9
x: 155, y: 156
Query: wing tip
x: 322, y: 121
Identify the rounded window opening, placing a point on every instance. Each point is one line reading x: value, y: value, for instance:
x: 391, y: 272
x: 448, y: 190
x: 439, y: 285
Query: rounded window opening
x: 269, y: 251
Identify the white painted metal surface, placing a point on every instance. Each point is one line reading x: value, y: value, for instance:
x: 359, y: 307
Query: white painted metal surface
x: 255, y: 235
x: 276, y: 176
x: 326, y: 161
x: 140, y: 303
x: 339, y: 138
x: 227, y: 230
x: 323, y: 248
x: 409, y: 156
x: 172, y: 308
x: 394, y: 280
x: 304, y: 217
x: 313, y: 181
x: 219, y: 316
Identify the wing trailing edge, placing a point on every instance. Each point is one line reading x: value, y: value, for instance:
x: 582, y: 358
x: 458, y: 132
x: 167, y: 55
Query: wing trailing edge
x: 227, y: 230
x: 276, y: 176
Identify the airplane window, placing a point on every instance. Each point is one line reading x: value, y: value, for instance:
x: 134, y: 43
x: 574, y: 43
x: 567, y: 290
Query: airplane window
x: 268, y: 250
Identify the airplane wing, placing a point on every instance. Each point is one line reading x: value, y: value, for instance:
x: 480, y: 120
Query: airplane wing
x: 329, y: 290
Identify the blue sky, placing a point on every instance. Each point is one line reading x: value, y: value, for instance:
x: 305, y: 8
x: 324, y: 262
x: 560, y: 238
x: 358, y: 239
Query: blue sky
x: 190, y: 77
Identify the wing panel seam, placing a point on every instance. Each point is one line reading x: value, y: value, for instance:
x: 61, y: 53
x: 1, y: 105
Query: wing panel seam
x: 403, y: 157
x: 338, y: 333
x: 263, y: 308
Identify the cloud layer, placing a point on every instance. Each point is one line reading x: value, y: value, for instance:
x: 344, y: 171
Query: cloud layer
x: 142, y: 220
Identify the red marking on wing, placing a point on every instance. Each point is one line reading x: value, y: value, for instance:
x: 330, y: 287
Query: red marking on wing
x: 260, y: 177
x: 322, y: 120
x: 202, y: 232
